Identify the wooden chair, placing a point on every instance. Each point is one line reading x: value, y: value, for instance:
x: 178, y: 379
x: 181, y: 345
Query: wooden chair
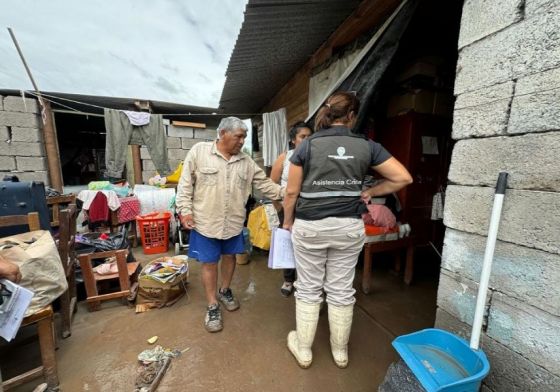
x: 386, y: 246
x: 44, y: 318
x: 55, y: 203
x: 125, y: 272
x: 65, y: 244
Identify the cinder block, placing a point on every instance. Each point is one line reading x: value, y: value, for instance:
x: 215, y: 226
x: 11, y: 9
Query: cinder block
x: 41, y: 176
x: 22, y: 149
x: 529, y: 218
x: 31, y: 163
x: 457, y: 296
x: 525, y: 48
x: 173, y: 142
x: 148, y: 165
x: 15, y: 119
x: 206, y: 134
x: 175, y: 154
x: 509, y: 371
x: 526, y: 330
x: 16, y: 104
x: 531, y: 160
x: 1, y: 102
x: 146, y: 175
x: 482, y: 112
x: 144, y: 154
x: 481, y: 18
x: 187, y: 144
x: 448, y: 322
x: 29, y: 135
x: 536, y: 107
x: 7, y: 163
x: 179, y: 131
x: 534, y: 7
x: 527, y: 274
x: 4, y: 135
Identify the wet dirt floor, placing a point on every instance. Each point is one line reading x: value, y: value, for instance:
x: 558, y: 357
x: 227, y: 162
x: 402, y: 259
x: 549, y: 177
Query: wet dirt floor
x: 250, y: 354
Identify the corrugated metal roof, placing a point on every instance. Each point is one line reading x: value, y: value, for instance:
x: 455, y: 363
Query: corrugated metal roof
x: 276, y: 39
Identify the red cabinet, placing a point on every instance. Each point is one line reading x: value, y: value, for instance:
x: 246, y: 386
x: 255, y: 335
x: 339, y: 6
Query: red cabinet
x: 422, y: 143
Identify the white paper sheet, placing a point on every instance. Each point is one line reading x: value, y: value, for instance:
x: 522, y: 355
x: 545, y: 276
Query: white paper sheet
x: 13, y: 309
x: 281, y: 254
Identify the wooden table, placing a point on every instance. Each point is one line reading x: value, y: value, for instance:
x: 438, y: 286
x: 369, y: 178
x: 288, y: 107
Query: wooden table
x: 386, y: 246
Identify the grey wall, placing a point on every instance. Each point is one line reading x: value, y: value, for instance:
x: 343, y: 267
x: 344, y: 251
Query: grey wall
x: 22, y: 151
x: 507, y: 117
x: 179, y: 141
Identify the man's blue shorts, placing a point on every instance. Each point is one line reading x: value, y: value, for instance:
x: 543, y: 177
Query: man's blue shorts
x: 209, y: 250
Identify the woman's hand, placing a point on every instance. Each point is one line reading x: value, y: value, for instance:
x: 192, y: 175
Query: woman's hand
x: 287, y: 226
x: 366, y: 197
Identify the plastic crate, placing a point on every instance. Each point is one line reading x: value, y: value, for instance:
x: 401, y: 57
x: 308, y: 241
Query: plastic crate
x: 154, y: 232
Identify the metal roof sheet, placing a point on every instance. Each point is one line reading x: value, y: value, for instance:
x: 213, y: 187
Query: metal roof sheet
x: 276, y: 39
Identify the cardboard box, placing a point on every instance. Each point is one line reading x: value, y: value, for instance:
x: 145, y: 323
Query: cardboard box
x: 160, y: 294
x: 421, y: 101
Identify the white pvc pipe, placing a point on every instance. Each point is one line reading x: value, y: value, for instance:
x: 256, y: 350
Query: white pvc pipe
x: 486, y: 268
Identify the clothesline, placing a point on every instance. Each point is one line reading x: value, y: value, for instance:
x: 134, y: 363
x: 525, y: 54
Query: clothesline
x: 104, y: 107
x: 252, y: 114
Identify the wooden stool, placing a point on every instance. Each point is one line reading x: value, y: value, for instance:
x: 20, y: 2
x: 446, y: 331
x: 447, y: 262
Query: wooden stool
x: 44, y: 320
x: 384, y: 246
x: 124, y: 274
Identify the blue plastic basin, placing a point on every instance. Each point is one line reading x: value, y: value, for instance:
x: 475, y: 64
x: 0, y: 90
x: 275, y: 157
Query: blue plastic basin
x: 442, y: 361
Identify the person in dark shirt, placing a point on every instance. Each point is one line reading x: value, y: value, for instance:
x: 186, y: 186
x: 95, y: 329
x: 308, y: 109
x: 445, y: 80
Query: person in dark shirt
x: 325, y: 190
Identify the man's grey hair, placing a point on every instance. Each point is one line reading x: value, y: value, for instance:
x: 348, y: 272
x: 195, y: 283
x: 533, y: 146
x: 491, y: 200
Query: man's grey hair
x: 230, y: 124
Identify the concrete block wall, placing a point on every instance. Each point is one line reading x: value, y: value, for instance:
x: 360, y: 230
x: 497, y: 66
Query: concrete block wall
x: 179, y: 141
x: 507, y: 118
x: 22, y: 150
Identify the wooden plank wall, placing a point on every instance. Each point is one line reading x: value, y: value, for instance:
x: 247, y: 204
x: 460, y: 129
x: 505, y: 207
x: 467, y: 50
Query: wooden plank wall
x: 294, y: 95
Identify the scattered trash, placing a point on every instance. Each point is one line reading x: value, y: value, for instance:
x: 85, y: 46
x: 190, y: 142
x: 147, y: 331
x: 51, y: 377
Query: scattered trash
x: 155, y: 363
x: 156, y: 354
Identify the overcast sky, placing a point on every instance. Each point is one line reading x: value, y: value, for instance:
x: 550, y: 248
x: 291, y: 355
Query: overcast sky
x: 165, y: 50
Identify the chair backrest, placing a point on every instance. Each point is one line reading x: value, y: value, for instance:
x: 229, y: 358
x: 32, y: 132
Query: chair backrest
x: 55, y: 203
x: 31, y: 220
x: 67, y: 235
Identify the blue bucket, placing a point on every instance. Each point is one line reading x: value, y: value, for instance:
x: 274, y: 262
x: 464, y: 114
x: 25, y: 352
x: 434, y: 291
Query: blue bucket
x: 442, y: 361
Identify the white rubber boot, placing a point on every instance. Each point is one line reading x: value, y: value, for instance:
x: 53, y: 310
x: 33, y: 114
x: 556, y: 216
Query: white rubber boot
x: 340, y: 323
x: 301, y: 340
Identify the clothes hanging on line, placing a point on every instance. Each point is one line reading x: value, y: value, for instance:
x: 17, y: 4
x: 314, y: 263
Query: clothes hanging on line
x: 275, y: 135
x: 87, y: 196
x: 121, y: 133
x: 137, y: 118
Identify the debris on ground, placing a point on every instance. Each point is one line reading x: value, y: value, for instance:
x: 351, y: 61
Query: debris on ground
x: 155, y: 362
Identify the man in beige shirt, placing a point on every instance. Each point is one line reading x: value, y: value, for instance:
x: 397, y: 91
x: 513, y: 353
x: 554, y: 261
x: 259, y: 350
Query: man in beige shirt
x: 215, y: 184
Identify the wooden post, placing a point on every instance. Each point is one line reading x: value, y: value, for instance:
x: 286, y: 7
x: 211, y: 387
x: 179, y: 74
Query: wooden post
x: 51, y: 146
x: 137, y: 164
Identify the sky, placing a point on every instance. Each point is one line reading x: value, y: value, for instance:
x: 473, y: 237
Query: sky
x: 165, y: 50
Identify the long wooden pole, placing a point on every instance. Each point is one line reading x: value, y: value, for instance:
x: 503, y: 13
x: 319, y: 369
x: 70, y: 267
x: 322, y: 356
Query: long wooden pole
x: 49, y: 133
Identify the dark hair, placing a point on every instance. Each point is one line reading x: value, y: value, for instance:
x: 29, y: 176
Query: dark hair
x: 337, y: 108
x: 294, y: 130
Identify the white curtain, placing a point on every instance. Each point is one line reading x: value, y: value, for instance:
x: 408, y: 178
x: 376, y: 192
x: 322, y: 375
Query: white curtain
x: 275, y: 135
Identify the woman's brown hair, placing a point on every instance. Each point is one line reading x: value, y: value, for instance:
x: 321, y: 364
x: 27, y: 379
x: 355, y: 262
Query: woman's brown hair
x: 337, y: 108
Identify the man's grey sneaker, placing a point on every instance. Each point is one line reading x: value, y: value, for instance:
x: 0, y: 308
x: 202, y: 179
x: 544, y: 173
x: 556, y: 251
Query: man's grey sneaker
x: 213, y: 320
x: 228, y: 300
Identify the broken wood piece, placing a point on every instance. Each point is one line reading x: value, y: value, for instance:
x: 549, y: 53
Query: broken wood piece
x: 159, y: 376
x: 188, y: 124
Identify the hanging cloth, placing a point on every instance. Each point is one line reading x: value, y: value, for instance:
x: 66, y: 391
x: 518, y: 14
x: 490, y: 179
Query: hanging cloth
x: 275, y: 135
x: 121, y: 133
x: 137, y: 118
